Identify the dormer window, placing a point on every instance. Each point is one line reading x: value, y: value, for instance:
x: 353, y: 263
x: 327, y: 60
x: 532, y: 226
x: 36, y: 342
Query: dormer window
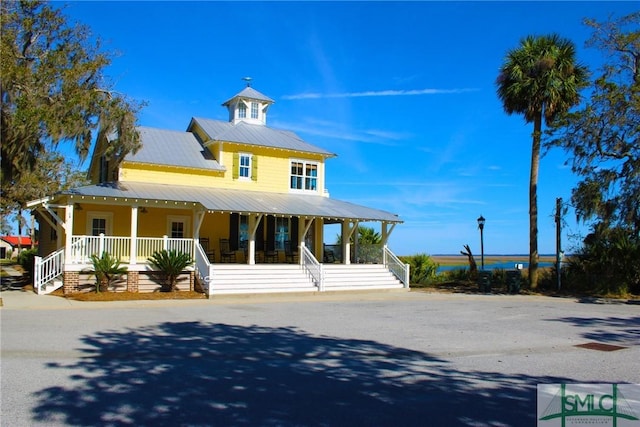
x: 254, y: 110
x: 242, y: 110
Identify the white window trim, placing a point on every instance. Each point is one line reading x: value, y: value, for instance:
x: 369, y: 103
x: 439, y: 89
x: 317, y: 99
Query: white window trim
x: 304, y: 169
x: 250, y: 156
x: 179, y: 218
x: 242, y: 108
x: 107, y: 216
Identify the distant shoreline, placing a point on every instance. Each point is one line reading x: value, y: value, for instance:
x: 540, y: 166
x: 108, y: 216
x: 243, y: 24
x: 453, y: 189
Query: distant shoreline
x: 451, y: 260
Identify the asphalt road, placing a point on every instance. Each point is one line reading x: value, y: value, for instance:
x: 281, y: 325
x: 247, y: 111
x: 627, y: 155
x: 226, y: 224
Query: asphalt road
x: 388, y: 359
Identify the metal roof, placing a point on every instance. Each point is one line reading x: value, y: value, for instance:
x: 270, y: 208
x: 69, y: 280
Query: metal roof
x: 226, y: 200
x: 172, y: 148
x: 251, y: 93
x: 260, y: 135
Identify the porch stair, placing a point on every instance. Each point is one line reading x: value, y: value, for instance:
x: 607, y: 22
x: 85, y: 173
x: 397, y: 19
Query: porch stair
x: 51, y: 286
x: 339, y: 277
x: 259, y: 278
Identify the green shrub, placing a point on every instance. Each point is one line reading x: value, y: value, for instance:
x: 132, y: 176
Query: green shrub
x: 106, y: 268
x: 456, y: 275
x: 499, y: 279
x: 422, y: 269
x: 606, y: 265
x: 26, y: 259
x: 171, y: 263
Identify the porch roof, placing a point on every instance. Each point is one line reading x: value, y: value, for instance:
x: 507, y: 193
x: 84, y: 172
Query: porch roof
x: 237, y: 201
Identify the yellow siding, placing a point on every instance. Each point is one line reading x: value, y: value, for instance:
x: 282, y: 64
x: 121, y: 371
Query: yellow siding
x: 273, y: 171
x: 158, y: 175
x: 153, y: 223
x: 46, y: 244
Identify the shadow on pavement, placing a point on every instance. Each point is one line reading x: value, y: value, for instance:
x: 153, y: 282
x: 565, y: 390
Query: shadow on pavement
x: 195, y: 373
x: 612, y: 330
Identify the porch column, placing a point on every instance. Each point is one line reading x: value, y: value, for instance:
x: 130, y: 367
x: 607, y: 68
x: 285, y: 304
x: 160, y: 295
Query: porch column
x: 133, y: 251
x: 254, y: 221
x: 68, y: 231
x: 318, y: 239
x: 356, y: 245
x: 346, y: 244
x: 198, y: 217
x: 347, y: 231
x: 383, y: 229
x: 386, y: 232
x: 59, y: 232
x: 303, y: 228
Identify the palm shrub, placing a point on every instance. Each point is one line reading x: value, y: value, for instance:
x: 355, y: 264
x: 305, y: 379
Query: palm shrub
x: 106, y: 268
x: 422, y: 269
x: 171, y: 264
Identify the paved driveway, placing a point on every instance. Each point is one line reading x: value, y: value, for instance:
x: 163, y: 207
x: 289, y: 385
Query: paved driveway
x: 388, y: 359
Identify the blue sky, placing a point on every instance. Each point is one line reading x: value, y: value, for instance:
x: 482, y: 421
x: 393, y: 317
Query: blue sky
x: 403, y: 92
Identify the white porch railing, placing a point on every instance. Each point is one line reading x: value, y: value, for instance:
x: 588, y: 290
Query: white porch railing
x: 395, y: 266
x: 312, y: 267
x: 46, y: 269
x: 82, y: 247
x: 204, y: 269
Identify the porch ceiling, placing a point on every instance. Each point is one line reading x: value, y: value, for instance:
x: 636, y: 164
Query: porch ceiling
x: 225, y: 200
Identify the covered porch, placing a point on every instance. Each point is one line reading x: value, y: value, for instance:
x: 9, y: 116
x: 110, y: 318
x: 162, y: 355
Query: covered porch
x: 133, y: 220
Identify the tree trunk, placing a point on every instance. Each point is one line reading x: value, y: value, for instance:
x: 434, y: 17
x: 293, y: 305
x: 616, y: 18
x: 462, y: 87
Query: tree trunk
x: 473, y: 267
x: 533, y: 202
x: 19, y: 230
x: 103, y: 284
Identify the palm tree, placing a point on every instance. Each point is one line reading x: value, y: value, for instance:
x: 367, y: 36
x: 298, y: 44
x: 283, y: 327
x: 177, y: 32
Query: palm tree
x: 366, y: 235
x: 541, y: 80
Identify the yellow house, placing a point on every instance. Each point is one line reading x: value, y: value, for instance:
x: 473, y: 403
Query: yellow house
x: 247, y: 201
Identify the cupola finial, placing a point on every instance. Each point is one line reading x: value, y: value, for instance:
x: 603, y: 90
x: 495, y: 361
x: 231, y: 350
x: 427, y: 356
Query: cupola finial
x: 248, y: 80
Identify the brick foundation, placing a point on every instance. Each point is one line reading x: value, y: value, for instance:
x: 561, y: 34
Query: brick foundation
x: 71, y: 282
x: 192, y: 280
x: 132, y: 281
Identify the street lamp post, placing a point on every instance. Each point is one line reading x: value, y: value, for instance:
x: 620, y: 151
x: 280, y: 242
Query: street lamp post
x: 481, y: 221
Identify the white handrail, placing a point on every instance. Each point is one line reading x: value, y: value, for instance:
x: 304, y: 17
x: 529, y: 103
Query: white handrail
x: 395, y: 266
x: 312, y: 267
x: 46, y: 269
x: 204, y: 269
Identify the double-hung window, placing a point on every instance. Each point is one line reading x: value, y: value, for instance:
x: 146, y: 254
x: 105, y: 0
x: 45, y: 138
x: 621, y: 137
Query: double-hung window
x: 99, y: 223
x: 242, y: 111
x: 178, y: 226
x: 254, y: 110
x: 304, y: 175
x: 244, y: 166
x: 177, y: 229
x: 98, y: 226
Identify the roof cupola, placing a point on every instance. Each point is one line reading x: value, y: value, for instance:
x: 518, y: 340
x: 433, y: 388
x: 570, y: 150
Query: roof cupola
x: 248, y: 106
